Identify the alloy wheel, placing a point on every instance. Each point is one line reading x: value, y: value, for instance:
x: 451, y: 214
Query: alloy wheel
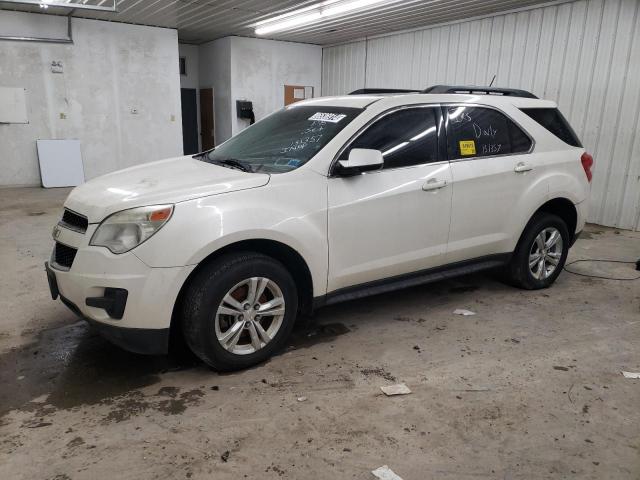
x: 249, y: 315
x: 545, y: 253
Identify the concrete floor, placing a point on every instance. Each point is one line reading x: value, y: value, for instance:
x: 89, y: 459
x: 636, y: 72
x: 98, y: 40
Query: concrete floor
x: 530, y: 387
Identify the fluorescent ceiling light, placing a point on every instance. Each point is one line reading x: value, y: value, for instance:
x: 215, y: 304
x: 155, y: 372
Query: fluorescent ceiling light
x: 290, y: 23
x: 348, y: 7
x: 311, y: 14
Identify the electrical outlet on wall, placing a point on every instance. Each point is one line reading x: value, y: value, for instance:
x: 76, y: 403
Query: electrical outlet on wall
x: 56, y: 66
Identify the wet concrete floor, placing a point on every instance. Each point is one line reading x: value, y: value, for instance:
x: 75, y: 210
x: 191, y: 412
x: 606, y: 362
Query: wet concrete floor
x: 529, y: 387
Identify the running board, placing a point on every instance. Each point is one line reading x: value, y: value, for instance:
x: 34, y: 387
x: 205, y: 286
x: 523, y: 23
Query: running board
x: 412, y: 279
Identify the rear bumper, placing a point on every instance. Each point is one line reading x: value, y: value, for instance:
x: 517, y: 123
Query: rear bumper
x: 582, y: 210
x: 575, y: 238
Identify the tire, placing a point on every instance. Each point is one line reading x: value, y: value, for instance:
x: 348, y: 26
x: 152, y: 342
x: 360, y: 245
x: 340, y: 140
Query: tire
x: 519, y: 272
x: 208, y: 317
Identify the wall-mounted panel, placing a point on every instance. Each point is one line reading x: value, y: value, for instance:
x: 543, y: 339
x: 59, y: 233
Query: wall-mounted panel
x: 585, y: 55
x: 19, y: 25
x: 13, y: 105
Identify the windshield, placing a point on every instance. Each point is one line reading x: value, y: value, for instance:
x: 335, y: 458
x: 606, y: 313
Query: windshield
x: 283, y: 141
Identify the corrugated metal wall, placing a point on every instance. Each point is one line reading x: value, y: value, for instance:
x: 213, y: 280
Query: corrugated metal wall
x: 585, y: 55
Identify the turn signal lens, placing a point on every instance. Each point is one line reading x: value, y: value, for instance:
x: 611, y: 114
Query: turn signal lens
x: 160, y: 215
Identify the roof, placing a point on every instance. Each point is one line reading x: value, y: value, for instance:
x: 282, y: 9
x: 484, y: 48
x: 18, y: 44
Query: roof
x: 469, y: 89
x: 363, y: 101
x: 355, y: 101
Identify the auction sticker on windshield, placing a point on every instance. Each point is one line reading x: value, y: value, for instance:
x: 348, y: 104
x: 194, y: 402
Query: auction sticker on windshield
x: 327, y: 117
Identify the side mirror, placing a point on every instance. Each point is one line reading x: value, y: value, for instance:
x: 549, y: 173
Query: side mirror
x: 361, y: 160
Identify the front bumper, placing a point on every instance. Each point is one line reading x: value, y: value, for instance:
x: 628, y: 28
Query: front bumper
x: 130, y: 303
x: 147, y: 341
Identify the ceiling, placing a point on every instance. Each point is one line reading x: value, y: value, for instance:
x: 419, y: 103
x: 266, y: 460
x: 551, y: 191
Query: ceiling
x: 200, y: 21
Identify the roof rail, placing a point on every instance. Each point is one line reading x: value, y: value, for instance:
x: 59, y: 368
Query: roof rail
x: 507, y: 92
x: 369, y: 91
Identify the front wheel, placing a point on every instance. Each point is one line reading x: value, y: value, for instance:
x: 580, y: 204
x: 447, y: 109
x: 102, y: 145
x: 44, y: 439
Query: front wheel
x: 239, y: 310
x: 541, y: 252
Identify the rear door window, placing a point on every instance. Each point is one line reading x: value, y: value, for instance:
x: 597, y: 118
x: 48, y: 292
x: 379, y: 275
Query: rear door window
x: 554, y: 121
x: 405, y: 137
x: 482, y: 132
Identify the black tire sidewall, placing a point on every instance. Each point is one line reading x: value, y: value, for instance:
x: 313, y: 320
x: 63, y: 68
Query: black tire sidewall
x: 520, y: 264
x: 210, y: 292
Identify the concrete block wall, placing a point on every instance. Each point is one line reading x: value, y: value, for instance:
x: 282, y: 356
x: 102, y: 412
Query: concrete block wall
x: 119, y: 93
x: 254, y: 69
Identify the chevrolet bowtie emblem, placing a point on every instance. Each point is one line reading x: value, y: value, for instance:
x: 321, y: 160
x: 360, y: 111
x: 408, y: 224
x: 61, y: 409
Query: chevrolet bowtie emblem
x: 56, y: 232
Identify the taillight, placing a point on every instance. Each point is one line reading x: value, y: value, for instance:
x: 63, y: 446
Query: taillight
x: 587, y: 163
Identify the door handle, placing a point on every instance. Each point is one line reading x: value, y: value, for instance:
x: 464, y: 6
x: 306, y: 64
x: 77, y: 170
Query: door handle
x: 433, y: 184
x: 522, y: 167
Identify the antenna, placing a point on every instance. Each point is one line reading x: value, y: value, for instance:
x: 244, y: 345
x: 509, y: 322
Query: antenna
x: 492, y: 80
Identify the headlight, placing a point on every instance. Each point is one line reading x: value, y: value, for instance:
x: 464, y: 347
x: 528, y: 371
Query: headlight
x: 122, y: 231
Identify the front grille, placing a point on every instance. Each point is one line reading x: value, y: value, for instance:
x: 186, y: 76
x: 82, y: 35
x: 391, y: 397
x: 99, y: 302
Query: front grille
x: 74, y: 221
x: 64, y: 255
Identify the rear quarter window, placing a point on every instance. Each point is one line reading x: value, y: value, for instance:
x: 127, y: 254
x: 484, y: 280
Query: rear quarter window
x: 554, y: 121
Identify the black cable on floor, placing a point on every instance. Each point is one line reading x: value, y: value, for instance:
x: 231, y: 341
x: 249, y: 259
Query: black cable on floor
x: 599, y: 276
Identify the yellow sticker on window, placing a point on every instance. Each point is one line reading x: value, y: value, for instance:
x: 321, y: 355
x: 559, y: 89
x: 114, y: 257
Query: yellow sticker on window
x: 467, y: 147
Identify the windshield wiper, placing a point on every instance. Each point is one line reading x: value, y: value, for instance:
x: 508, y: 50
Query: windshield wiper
x: 202, y: 154
x: 233, y: 163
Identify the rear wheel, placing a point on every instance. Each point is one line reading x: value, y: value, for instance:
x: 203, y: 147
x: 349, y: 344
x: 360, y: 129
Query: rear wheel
x: 541, y: 252
x: 239, y: 310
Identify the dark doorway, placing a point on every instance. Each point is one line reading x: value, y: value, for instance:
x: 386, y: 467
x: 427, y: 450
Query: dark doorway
x: 189, y: 121
x: 206, y: 118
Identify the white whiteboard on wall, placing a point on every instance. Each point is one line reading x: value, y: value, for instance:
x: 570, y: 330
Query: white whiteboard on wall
x: 60, y: 163
x: 13, y: 105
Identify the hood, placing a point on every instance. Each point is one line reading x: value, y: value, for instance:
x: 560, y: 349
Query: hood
x: 166, y: 181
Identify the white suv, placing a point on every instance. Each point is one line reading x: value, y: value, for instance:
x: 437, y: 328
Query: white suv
x: 327, y: 200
